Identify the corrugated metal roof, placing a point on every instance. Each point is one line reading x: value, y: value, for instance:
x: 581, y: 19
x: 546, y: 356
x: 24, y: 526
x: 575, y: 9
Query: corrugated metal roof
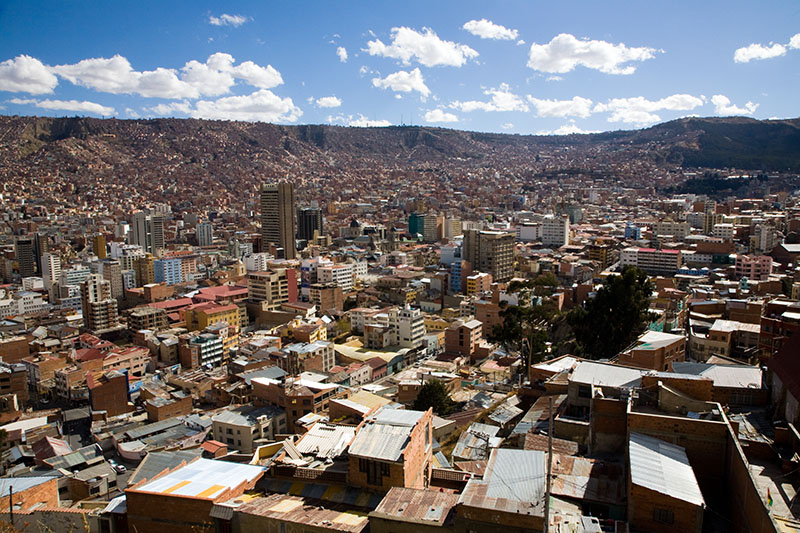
x: 397, y: 417
x: 417, y: 506
x: 21, y: 484
x: 475, y: 443
x: 730, y: 376
x: 664, y: 468
x: 381, y: 441
x: 606, y: 375
x: 203, y: 478
x: 325, y: 440
x: 298, y: 510
x: 156, y: 462
x: 514, y: 482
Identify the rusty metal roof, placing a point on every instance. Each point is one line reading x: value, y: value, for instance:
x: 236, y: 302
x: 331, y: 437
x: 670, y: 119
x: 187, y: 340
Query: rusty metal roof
x: 297, y: 510
x: 417, y: 506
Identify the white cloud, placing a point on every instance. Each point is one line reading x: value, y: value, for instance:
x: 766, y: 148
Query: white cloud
x: 507, y: 126
x: 342, y: 53
x: 564, y: 52
x: 576, y: 107
x: 426, y: 47
x: 520, y: 42
x: 227, y: 20
x: 364, y: 122
x: 502, y: 100
x: 794, y: 42
x: 758, y: 51
x: 486, y: 29
x: 260, y: 106
x: 723, y: 106
x: 170, y: 109
x: 641, y: 111
x: 131, y: 112
x: 67, y: 105
x: 328, y: 101
x: 195, y: 79
x: 569, y: 129
x: 26, y: 74
x: 402, y: 81
x: 437, y: 115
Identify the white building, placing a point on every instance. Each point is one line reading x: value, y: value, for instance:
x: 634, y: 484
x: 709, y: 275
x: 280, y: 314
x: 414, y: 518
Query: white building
x: 342, y: 275
x: 257, y: 262
x: 651, y: 260
x: 555, y: 231
x: 408, y: 326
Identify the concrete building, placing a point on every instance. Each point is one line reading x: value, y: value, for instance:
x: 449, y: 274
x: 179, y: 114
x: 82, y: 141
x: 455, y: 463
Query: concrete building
x: 277, y: 218
x: 490, y: 251
x: 277, y: 286
x: 753, y: 267
x: 247, y: 427
x: 51, y: 270
x: 24, y: 255
x: 464, y: 338
x: 408, y: 325
x: 147, y: 231
x: 555, y: 231
x: 168, y: 270
x: 651, y: 260
x: 309, y: 221
x: 205, y: 234
x: 100, y: 309
x: 201, y: 350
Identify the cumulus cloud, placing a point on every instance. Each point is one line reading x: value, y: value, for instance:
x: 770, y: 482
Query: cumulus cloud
x: 260, y: 106
x: 195, y: 79
x: 170, y: 109
x: 403, y: 81
x: 723, y: 106
x: 26, y: 74
x: 758, y: 51
x: 425, y: 47
x: 227, y: 20
x: 794, y: 42
x: 565, y: 52
x: 486, y: 29
x: 67, y: 105
x: 576, y: 107
x: 437, y: 115
x: 342, y: 53
x: 364, y: 122
x: 507, y: 126
x: 641, y: 111
x: 328, y: 101
x: 502, y: 99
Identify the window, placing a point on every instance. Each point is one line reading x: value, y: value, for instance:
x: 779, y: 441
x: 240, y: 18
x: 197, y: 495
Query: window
x: 230, y: 431
x: 584, y: 391
x: 663, y: 516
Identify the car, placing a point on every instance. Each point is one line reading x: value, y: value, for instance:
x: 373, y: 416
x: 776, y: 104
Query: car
x: 118, y: 468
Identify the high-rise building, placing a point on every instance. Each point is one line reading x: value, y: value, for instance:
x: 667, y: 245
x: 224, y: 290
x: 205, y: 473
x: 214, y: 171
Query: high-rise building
x: 309, y: 219
x: 490, y: 251
x: 41, y: 246
x: 147, y: 231
x: 51, y: 269
x: 23, y: 253
x: 99, y: 246
x: 416, y: 223
x: 100, y: 311
x: 205, y: 234
x: 555, y: 231
x: 277, y: 217
x: 111, y: 270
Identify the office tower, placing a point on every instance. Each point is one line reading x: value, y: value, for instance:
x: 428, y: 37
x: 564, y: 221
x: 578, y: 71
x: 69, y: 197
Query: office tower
x: 416, y: 223
x: 41, y: 246
x: 111, y: 270
x: 100, y: 312
x: 490, y: 251
x: 99, y: 246
x: 51, y: 271
x: 205, y: 234
x: 309, y: 219
x: 23, y: 253
x: 277, y: 217
x: 555, y: 231
x: 147, y: 231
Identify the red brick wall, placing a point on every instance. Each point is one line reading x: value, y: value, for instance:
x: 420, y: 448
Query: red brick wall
x: 46, y: 493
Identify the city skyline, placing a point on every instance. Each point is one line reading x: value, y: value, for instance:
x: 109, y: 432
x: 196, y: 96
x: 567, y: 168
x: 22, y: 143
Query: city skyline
x: 516, y: 68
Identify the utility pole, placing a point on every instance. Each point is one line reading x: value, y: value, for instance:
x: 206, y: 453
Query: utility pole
x: 11, y: 504
x: 549, y: 466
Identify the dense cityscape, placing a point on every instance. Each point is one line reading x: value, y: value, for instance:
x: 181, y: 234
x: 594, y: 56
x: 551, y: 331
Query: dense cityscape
x: 465, y: 349
x: 366, y: 267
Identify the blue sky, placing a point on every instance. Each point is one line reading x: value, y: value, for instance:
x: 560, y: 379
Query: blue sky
x: 511, y: 66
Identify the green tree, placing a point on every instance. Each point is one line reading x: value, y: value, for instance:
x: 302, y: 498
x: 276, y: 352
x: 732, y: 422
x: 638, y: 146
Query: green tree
x: 615, y: 317
x: 434, y: 394
x: 524, y: 330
